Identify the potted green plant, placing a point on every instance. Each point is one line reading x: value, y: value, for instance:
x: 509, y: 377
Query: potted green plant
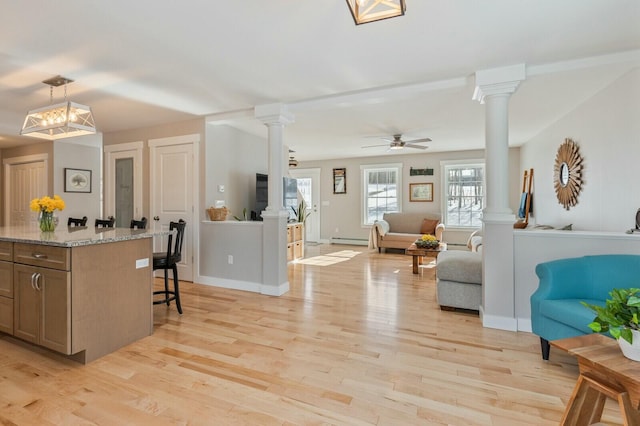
x: 244, y: 216
x: 301, y: 212
x: 620, y: 317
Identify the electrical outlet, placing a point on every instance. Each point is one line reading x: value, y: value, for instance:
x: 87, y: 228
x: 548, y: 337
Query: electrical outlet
x: 142, y: 263
x: 230, y: 259
x: 337, y: 230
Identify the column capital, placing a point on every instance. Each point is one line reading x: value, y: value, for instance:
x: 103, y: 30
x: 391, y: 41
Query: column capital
x: 498, y: 81
x: 273, y: 114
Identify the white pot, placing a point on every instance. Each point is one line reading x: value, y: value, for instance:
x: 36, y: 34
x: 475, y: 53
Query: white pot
x: 631, y: 351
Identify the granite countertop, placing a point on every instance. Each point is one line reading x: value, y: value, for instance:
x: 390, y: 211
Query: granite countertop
x: 74, y: 236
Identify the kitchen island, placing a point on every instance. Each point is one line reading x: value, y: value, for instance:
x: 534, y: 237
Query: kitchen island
x: 83, y: 292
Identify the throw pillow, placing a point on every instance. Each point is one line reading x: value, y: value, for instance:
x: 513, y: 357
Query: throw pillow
x: 429, y: 226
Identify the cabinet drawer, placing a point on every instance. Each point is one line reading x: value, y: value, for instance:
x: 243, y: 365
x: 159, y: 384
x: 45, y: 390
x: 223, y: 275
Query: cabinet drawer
x: 290, y: 252
x: 6, y: 315
x: 289, y: 234
x: 297, y: 232
x: 40, y: 255
x: 6, y: 251
x: 298, y: 250
x: 6, y: 279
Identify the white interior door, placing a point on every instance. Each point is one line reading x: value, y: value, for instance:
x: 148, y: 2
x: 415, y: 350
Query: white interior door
x: 25, y: 179
x: 309, y: 188
x: 174, y: 186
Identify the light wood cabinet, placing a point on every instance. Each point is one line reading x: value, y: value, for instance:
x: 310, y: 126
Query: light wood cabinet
x: 6, y: 287
x: 82, y: 300
x: 42, y: 307
x: 295, y: 241
x: 42, y: 296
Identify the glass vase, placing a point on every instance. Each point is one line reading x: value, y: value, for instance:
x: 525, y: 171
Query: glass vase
x: 46, y: 221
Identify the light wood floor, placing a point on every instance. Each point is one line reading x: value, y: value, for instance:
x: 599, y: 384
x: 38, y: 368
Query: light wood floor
x: 358, y: 340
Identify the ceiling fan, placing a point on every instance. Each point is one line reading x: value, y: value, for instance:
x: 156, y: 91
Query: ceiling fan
x: 397, y: 143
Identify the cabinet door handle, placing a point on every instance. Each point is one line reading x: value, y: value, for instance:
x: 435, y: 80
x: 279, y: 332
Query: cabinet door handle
x: 38, y: 275
x: 39, y: 255
x: 33, y: 278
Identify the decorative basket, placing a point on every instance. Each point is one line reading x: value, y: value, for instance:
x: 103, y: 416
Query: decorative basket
x: 217, y: 214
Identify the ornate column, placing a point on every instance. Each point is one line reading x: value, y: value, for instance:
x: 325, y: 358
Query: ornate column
x: 274, y: 231
x: 494, y: 87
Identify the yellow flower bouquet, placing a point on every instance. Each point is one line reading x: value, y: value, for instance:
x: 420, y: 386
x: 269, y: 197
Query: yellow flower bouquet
x: 427, y: 241
x: 46, y: 206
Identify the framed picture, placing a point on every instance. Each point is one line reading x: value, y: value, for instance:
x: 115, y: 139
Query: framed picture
x: 340, y: 181
x: 77, y: 180
x: 420, y: 192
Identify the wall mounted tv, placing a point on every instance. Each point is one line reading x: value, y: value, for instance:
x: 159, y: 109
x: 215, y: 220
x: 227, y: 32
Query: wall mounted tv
x: 289, y: 195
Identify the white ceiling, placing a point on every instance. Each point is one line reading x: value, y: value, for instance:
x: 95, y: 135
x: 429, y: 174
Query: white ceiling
x: 147, y: 62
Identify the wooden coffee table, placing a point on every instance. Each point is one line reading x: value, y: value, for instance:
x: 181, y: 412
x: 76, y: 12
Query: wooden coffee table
x: 604, y: 372
x: 418, y: 253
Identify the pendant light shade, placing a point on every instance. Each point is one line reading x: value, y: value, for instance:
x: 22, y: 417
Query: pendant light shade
x: 364, y: 11
x: 62, y: 120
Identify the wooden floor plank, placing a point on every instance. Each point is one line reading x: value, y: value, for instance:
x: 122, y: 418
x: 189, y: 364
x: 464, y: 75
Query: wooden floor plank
x: 358, y: 342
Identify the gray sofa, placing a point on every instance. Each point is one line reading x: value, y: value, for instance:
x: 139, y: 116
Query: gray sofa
x: 459, y: 279
x: 399, y: 230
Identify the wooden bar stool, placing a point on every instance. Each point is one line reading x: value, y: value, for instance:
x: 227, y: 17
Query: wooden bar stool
x: 72, y: 221
x: 106, y: 223
x: 138, y: 224
x: 169, y: 260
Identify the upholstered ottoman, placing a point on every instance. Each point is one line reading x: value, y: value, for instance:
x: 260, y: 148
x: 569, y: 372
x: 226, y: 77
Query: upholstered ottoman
x: 459, y: 279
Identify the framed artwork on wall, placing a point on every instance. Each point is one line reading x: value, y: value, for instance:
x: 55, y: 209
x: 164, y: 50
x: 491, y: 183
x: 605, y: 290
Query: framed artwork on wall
x: 340, y: 181
x: 77, y: 180
x: 420, y: 192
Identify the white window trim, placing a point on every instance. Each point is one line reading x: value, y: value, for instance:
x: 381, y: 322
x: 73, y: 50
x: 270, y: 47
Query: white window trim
x: 363, y: 190
x: 443, y: 184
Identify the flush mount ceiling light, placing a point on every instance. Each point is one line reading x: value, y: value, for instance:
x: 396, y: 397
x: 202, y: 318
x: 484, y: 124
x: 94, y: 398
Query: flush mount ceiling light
x: 57, y: 121
x: 364, y: 11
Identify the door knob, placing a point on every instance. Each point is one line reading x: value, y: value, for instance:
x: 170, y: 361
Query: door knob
x: 156, y: 218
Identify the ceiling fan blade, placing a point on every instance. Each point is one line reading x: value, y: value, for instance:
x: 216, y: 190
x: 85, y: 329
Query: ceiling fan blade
x: 374, y: 146
x: 420, y: 140
x: 410, y: 145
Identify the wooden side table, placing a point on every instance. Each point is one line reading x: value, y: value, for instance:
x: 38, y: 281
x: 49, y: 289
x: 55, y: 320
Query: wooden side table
x: 604, y: 372
x: 418, y: 253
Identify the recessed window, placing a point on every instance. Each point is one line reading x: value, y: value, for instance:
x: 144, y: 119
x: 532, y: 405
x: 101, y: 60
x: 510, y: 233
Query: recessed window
x: 464, y: 193
x: 381, y: 191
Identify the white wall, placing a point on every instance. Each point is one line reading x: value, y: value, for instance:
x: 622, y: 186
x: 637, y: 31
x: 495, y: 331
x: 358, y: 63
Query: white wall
x: 232, y: 159
x: 231, y: 254
x: 341, y: 213
x: 82, y: 152
x: 607, y: 129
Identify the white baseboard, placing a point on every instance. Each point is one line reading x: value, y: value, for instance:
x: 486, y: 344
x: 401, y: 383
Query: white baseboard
x: 244, y: 285
x: 524, y: 324
x: 270, y: 290
x: 501, y: 323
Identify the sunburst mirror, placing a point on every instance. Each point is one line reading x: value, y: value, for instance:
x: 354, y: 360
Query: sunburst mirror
x: 567, y: 173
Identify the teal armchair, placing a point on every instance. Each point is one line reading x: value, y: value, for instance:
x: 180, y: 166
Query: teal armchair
x: 556, y: 311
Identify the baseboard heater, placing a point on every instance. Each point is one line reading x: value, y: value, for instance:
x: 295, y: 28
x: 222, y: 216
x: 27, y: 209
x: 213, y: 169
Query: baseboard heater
x: 350, y: 241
